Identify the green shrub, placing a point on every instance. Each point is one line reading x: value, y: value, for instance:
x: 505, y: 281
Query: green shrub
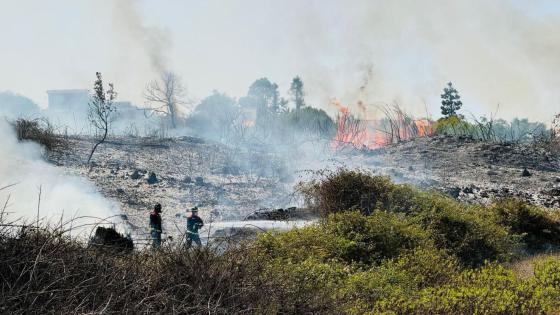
x: 547, y: 273
x: 546, y: 284
x: 364, y: 289
x: 396, y: 278
x: 454, y: 125
x: 470, y: 233
x: 301, y: 244
x: 539, y: 228
x: 474, y: 234
x: 348, y: 237
x: 490, y: 290
x: 306, y: 287
x: 427, y: 266
x: 344, y: 190
x: 311, y: 121
x: 376, y: 237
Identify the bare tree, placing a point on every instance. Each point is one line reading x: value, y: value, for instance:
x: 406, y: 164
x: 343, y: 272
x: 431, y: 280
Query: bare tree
x: 165, y: 96
x: 101, y: 111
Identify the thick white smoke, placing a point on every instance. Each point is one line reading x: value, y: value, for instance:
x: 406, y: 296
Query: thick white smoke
x: 63, y: 197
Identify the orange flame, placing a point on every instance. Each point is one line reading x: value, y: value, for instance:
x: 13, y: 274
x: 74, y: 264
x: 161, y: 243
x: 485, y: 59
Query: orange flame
x: 366, y: 134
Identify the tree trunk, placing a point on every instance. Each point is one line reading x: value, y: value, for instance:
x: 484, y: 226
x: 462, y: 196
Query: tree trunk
x: 97, y: 144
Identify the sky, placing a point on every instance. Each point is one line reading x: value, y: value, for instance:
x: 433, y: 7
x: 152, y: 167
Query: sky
x: 502, y: 55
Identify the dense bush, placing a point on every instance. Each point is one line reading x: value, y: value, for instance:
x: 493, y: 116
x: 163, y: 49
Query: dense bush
x: 539, y: 228
x: 310, y: 121
x: 350, y: 238
x: 341, y: 190
x: 473, y: 236
x: 472, y: 233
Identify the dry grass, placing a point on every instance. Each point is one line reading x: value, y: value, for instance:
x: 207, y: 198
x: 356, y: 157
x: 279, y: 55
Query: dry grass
x: 42, y: 132
x: 45, y: 271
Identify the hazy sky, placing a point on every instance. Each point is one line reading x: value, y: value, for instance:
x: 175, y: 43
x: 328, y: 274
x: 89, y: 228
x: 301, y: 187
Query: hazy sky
x: 496, y: 52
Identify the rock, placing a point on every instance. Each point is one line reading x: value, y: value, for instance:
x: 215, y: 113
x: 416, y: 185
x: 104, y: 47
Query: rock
x: 453, y: 192
x: 135, y: 175
x: 120, y: 191
x: 199, y: 181
x: 187, y: 180
x: 492, y: 173
x: 152, y: 179
x: 526, y: 173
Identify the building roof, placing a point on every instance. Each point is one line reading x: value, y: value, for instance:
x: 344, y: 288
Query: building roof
x: 68, y: 91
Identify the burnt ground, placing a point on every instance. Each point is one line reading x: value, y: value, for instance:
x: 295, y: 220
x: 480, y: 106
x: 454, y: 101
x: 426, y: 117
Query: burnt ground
x: 224, y: 183
x: 472, y: 170
x: 230, y: 183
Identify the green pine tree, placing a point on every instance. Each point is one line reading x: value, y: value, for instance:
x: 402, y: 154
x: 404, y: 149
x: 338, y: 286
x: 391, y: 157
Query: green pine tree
x: 450, y: 101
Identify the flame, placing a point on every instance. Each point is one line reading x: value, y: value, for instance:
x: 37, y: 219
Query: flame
x: 367, y: 134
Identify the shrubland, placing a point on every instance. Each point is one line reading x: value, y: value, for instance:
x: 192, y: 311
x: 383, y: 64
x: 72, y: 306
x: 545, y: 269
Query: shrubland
x: 409, y: 252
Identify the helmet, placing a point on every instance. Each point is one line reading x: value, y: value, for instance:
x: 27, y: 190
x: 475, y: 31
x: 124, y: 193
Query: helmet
x: 157, y: 208
x: 194, y: 209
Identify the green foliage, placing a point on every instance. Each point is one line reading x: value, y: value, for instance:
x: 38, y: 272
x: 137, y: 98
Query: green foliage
x: 454, y: 125
x: 297, y: 93
x: 350, y: 237
x: 539, y: 228
x: 214, y: 116
x: 470, y: 233
x: 427, y: 266
x: 364, y: 289
x: 493, y: 289
x: 547, y: 273
x: 411, y: 272
x: 516, y: 130
x: 344, y: 189
x: 308, y: 287
x: 301, y: 244
x: 473, y: 234
x: 311, y: 121
x: 450, y: 101
x: 375, y: 238
x: 264, y: 96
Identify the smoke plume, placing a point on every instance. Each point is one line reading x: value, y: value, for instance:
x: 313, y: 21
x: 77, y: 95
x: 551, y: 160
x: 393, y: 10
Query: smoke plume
x: 495, y: 52
x: 23, y: 173
x: 155, y: 42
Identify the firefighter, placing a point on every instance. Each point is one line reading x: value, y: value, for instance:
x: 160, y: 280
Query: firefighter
x: 155, y: 226
x: 194, y: 223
